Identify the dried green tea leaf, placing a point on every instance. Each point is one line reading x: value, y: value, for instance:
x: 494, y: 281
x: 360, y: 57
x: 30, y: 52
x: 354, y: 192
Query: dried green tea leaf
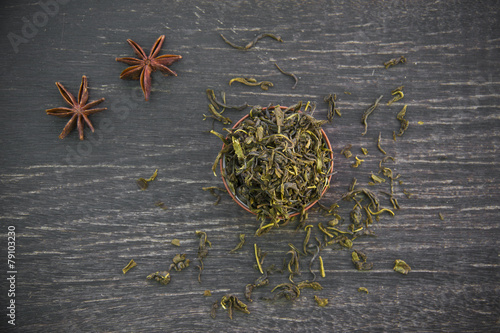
x: 290, y: 291
x: 321, y: 301
x: 332, y: 110
x: 161, y: 277
x: 144, y: 183
x: 369, y: 111
x: 260, y: 282
x: 363, y: 289
x: 307, y: 228
x: 217, y: 116
x: 377, y: 179
x: 179, y: 262
x: 357, y: 163
x: 378, y: 143
x: 253, y: 42
x: 216, y: 103
x: 264, y: 85
x: 258, y: 258
x: 404, y: 123
x: 346, y: 151
x: 213, y: 191
x: 176, y: 242
x: 289, y: 74
x: 395, y: 61
x: 207, y: 293
x: 312, y: 285
x: 240, y: 244
x: 359, y: 261
x: 441, y: 217
x: 293, y: 264
x: 161, y: 204
x: 401, y: 267
x: 399, y: 92
x: 230, y: 302
x: 202, y: 250
x: 130, y: 265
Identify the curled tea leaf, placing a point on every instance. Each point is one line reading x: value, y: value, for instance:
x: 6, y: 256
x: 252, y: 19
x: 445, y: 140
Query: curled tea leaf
x: 395, y: 61
x: 264, y: 85
x: 253, y: 42
x: 368, y: 112
x: 289, y: 74
x: 404, y: 123
x: 363, y: 289
x: 401, y: 267
x: 346, y: 151
x: 144, y: 183
x: 161, y: 277
x: 357, y: 163
x: 240, y: 244
x: 230, y: 302
x: 321, y: 301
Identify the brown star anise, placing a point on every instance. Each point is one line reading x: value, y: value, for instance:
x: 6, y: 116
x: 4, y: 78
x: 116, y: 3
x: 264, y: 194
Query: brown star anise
x: 143, y: 67
x: 79, y: 109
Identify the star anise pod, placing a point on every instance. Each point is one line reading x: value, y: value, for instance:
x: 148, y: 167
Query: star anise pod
x: 143, y: 67
x: 79, y: 110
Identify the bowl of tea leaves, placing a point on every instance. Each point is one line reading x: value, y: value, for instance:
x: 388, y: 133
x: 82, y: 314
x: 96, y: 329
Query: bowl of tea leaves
x: 276, y: 162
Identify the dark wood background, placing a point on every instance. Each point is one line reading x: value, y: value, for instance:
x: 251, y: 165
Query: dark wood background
x: 80, y: 218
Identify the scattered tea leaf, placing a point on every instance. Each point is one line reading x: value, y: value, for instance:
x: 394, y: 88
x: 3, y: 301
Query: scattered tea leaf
x: 359, y: 261
x: 357, y: 163
x: 290, y: 291
x: 130, y: 265
x: 312, y: 285
x: 161, y: 204
x: 399, y: 92
x: 161, y: 277
x: 332, y: 110
x: 253, y: 42
x: 368, y: 112
x: 401, y: 267
x: 378, y: 143
x: 240, y: 244
x: 289, y: 74
x: 264, y: 85
x: 144, y: 183
x: 179, y: 262
x: 202, y: 250
x: 176, y: 242
x: 404, y: 123
x: 346, y: 151
x: 321, y: 301
x: 230, y: 302
x: 216, y: 103
x: 395, y: 61
x: 363, y: 289
x: 258, y: 258
x: 212, y: 190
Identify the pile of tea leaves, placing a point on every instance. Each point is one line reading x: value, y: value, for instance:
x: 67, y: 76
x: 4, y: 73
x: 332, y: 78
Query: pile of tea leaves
x: 276, y: 162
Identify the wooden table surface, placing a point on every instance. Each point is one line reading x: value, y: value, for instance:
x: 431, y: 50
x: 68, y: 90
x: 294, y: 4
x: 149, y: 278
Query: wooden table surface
x: 79, y: 216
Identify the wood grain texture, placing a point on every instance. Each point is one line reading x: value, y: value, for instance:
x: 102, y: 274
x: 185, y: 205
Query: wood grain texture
x: 80, y: 218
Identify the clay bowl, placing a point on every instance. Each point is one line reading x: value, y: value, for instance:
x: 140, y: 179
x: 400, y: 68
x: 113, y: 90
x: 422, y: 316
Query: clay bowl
x: 244, y: 206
